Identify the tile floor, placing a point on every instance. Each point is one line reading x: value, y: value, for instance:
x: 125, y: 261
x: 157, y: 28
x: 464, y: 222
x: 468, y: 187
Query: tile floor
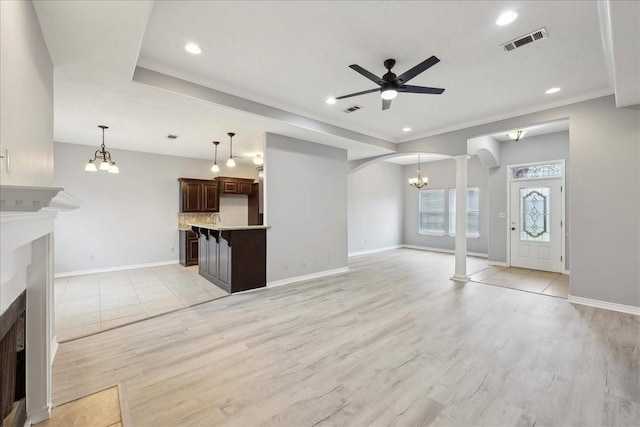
x: 97, y: 302
x: 101, y: 409
x: 539, y: 282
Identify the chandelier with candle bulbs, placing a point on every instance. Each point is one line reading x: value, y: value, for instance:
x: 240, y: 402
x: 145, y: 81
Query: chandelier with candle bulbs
x: 419, y: 181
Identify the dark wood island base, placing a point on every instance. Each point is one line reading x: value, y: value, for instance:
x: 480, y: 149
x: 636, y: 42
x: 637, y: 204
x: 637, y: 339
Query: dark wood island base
x: 233, y: 258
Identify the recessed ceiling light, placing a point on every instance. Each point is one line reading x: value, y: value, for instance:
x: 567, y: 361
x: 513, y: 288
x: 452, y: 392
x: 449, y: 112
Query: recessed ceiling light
x: 507, y: 18
x: 330, y: 101
x: 552, y: 90
x: 406, y: 129
x: 193, y: 48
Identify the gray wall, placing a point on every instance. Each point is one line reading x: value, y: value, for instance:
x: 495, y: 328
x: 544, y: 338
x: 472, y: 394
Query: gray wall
x: 553, y: 146
x: 376, y: 206
x: 442, y: 174
x: 306, y: 207
x: 605, y: 164
x: 130, y: 218
x: 26, y: 97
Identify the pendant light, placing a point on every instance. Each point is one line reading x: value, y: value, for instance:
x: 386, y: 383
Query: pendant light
x: 419, y: 181
x: 215, y: 168
x: 106, y: 164
x: 231, y: 163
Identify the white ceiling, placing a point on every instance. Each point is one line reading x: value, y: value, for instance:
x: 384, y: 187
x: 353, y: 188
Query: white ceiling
x: 293, y: 55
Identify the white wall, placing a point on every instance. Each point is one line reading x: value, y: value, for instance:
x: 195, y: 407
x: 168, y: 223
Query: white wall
x: 376, y: 207
x: 26, y: 97
x: 442, y: 175
x: 306, y: 207
x: 128, y: 218
x: 552, y: 146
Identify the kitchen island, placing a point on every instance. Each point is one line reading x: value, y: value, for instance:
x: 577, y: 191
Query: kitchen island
x: 234, y: 258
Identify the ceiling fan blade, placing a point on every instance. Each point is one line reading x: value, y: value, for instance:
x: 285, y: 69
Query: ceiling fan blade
x: 386, y: 103
x: 368, y: 74
x: 420, y: 89
x: 411, y: 73
x: 364, y: 92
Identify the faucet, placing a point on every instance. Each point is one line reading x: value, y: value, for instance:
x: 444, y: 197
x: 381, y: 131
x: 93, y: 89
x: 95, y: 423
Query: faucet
x: 213, y: 218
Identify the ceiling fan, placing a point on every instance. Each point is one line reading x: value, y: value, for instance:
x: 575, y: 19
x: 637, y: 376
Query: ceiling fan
x: 390, y: 84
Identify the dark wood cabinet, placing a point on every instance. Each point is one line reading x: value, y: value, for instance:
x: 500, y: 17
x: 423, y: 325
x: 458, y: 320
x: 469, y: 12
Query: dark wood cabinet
x: 233, y: 260
x: 188, y: 248
x: 253, y: 206
x: 231, y: 185
x: 199, y: 195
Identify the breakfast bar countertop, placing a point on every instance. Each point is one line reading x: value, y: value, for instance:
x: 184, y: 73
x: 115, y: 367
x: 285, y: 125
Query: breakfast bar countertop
x: 220, y: 227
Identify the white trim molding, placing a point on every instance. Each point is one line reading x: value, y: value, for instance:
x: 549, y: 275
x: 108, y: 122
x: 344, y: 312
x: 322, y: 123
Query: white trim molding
x: 110, y: 269
x: 629, y: 309
x: 305, y: 277
x: 373, y: 251
x: 498, y: 263
x: 444, y: 251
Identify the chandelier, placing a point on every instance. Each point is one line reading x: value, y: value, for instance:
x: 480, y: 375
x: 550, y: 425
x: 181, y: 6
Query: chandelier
x: 106, y: 163
x: 419, y: 181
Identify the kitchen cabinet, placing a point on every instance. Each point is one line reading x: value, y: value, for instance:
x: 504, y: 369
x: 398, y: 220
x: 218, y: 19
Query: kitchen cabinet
x: 235, y: 260
x: 199, y: 195
x: 188, y: 248
x: 231, y: 185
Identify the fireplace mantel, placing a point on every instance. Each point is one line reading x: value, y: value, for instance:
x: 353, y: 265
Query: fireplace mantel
x: 27, y: 216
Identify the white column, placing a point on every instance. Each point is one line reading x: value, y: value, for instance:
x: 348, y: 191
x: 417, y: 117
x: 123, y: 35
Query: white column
x: 460, y: 274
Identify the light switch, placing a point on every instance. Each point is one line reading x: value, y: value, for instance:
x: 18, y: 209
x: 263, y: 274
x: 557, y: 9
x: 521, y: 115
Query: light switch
x: 502, y: 215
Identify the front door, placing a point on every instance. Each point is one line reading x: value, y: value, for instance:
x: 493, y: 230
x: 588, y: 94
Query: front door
x: 536, y: 224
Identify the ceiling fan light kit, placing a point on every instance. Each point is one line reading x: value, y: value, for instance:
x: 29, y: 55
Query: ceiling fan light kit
x: 102, y: 154
x: 390, y: 84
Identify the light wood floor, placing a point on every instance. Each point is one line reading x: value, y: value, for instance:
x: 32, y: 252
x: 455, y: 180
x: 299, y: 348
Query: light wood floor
x: 393, y: 342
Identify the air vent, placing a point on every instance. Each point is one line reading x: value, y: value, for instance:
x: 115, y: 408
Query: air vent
x: 172, y: 136
x: 352, y: 109
x: 529, y: 38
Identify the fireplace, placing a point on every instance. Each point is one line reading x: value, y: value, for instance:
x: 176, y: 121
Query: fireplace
x: 28, y: 345
x: 13, y: 364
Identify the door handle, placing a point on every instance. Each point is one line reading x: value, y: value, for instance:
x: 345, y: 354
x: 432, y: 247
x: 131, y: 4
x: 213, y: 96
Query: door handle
x: 513, y: 229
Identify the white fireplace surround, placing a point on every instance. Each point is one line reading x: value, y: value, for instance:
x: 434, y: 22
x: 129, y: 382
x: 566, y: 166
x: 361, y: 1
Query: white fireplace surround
x: 27, y: 216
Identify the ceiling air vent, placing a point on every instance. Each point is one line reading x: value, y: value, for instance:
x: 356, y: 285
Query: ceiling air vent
x: 352, y: 109
x: 529, y: 38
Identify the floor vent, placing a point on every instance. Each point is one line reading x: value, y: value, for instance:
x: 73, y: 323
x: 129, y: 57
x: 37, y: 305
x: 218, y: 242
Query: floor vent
x: 172, y: 136
x: 529, y: 38
x: 352, y: 109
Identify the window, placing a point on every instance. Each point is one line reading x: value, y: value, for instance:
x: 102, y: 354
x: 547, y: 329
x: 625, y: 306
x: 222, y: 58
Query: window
x: 473, y: 212
x: 431, y: 212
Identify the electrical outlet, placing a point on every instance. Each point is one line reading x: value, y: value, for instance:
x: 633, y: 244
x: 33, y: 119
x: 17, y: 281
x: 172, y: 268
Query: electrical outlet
x: 303, y: 264
x: 173, y: 249
x: 92, y: 257
x: 286, y: 266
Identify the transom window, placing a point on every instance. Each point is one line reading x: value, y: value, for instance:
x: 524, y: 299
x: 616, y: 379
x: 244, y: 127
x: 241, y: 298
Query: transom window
x: 538, y: 171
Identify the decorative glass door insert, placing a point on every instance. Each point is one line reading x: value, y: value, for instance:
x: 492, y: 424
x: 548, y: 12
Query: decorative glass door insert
x: 535, y: 210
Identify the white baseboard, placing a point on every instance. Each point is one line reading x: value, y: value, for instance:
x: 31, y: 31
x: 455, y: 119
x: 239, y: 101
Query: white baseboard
x: 629, y: 309
x: 373, y: 251
x: 308, y: 277
x: 445, y: 251
x: 566, y: 272
x: 39, y: 416
x: 498, y: 263
x: 110, y: 269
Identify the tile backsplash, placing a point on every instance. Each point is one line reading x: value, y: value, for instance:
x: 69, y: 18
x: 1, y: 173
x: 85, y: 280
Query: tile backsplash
x: 185, y: 218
